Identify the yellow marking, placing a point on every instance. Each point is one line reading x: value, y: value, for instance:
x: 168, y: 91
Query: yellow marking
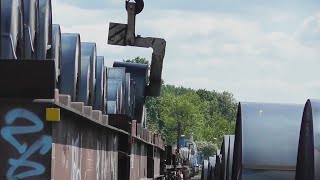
x: 53, y: 114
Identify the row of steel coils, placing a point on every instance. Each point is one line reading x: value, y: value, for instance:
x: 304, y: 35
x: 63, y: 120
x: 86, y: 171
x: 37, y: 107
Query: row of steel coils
x: 27, y: 33
x: 271, y: 141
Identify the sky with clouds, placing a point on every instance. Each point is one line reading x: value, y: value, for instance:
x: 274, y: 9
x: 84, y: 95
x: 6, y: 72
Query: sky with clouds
x: 261, y: 51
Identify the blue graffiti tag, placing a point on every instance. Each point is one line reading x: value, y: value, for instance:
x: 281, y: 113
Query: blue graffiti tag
x: 8, y: 132
x: 43, y: 144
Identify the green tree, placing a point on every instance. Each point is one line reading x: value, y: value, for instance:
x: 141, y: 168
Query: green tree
x: 209, y: 115
x: 138, y: 60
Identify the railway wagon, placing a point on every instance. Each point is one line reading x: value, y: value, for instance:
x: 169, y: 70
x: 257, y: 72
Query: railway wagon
x: 65, y: 115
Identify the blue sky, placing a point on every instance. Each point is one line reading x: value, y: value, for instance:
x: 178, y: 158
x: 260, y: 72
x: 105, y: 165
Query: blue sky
x: 261, y: 51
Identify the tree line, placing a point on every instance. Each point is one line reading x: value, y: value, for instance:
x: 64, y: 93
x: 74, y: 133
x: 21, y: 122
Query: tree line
x: 208, y: 115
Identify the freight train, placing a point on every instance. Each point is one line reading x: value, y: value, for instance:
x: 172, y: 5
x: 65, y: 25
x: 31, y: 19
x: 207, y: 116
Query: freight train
x: 65, y: 115
x: 183, y: 158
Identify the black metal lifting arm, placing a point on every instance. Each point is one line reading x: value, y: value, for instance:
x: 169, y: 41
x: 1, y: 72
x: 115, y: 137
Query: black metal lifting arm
x: 124, y: 35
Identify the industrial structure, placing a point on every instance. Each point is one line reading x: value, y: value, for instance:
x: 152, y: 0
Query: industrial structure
x: 66, y: 116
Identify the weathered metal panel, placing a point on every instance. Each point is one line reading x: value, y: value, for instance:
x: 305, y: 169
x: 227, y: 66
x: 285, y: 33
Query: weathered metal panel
x: 70, y: 64
x: 156, y: 161
x: 143, y: 161
x: 83, y: 149
x: 26, y: 141
x: 266, y: 141
x: 308, y: 161
x: 89, y: 49
x: 138, y: 167
x: 134, y: 128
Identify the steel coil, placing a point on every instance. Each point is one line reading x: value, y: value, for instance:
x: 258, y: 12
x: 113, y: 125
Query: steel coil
x: 12, y: 33
x: 89, y: 49
x: 70, y: 60
x: 308, y: 161
x: 119, y: 73
x: 230, y: 155
x: 217, y: 172
x: 115, y: 93
x: 266, y: 141
x: 139, y: 74
x: 205, y: 171
x: 225, y: 153
x: 31, y: 28
x: 127, y: 99
x: 56, y: 52
x: 84, y: 80
x: 45, y: 24
x: 111, y: 107
x: 100, y: 98
x: 212, y: 166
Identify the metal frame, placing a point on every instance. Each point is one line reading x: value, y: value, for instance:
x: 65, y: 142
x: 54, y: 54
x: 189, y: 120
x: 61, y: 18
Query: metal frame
x: 124, y: 35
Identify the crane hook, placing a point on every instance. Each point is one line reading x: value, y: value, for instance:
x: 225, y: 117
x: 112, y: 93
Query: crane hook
x: 139, y: 5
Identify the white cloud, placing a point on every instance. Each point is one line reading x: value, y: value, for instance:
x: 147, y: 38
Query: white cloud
x: 213, y: 51
x: 309, y: 31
